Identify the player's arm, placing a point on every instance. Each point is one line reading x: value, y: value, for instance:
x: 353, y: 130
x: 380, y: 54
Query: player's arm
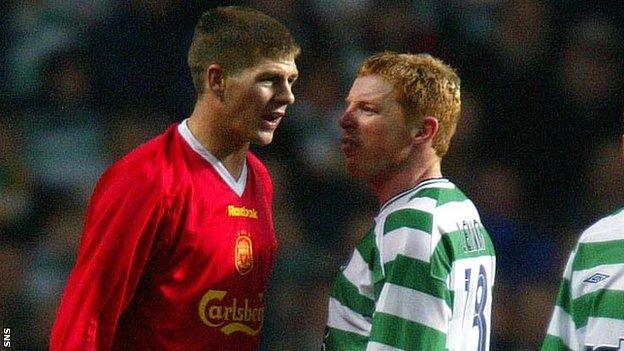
x: 352, y: 304
x: 413, y: 310
x: 561, y: 335
x: 119, y: 236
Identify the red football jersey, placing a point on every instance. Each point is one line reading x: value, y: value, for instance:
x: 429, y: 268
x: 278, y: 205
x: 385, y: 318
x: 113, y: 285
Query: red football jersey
x: 175, y: 254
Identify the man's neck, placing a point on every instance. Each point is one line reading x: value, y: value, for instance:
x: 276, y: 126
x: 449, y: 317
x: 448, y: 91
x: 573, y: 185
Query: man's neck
x: 204, y: 125
x: 405, y: 179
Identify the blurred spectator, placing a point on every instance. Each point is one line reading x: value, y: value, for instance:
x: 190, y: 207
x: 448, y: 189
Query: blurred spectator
x: 313, y: 121
x: 605, y: 182
x: 140, y: 55
x: 522, y: 35
x: 337, y: 28
x: 527, y: 257
x: 404, y: 26
x: 587, y: 104
x: 60, y: 218
x: 295, y: 317
x: 16, y: 194
x: 78, y: 15
x: 515, y: 75
x: 32, y: 34
x: 588, y: 71
x: 130, y: 126
x: 38, y: 28
x: 64, y: 139
x: 523, y: 247
x: 13, y: 311
x: 466, y: 153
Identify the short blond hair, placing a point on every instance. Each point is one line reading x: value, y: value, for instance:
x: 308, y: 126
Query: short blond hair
x: 425, y: 86
x: 236, y: 38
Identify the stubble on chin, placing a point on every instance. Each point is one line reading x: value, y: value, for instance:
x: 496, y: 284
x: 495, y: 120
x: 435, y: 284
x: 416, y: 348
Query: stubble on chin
x: 353, y: 169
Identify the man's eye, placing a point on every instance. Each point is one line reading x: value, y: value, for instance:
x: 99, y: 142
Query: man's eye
x: 368, y: 109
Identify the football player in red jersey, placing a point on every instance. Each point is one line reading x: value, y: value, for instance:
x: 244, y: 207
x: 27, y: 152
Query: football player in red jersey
x: 178, y: 242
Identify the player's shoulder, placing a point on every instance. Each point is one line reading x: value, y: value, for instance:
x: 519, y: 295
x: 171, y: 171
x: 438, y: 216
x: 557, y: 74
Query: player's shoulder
x: 444, y: 200
x: 422, y: 197
x: 412, y: 208
x: 424, y: 200
x: 608, y: 228
x: 441, y: 190
x: 144, y: 166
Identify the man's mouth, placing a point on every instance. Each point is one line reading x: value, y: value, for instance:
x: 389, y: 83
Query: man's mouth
x: 349, y: 145
x: 271, y: 120
x: 273, y: 116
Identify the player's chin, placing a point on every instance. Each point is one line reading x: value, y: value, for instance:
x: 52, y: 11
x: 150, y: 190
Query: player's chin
x: 354, y: 168
x: 263, y: 137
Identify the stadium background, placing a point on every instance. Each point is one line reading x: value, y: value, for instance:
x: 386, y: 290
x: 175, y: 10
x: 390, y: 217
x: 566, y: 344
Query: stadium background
x: 537, y: 148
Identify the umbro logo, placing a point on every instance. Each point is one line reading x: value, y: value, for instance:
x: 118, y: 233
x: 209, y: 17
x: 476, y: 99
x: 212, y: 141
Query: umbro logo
x: 620, y: 347
x: 596, y: 278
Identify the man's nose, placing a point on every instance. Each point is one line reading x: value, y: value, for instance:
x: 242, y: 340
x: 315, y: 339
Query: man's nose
x: 285, y: 94
x: 346, y: 120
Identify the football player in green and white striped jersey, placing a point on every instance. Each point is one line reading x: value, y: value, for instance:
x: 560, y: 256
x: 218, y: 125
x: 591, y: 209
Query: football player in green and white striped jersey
x: 421, y: 278
x: 589, y: 312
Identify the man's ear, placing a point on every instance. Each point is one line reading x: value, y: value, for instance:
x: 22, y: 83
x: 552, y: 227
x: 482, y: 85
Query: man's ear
x: 215, y: 79
x: 427, y: 131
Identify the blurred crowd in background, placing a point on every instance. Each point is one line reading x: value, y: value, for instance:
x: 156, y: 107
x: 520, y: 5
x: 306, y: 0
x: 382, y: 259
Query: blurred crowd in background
x: 537, y: 148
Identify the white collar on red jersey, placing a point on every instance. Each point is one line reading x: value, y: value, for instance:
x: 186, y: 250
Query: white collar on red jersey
x: 238, y: 186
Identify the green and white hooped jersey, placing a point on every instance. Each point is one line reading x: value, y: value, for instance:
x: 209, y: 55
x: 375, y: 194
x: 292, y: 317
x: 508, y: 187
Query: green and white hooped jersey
x: 421, y: 278
x: 589, y: 312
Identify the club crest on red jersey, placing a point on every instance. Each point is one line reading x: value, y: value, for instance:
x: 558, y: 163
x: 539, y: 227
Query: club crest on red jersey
x: 243, y: 255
